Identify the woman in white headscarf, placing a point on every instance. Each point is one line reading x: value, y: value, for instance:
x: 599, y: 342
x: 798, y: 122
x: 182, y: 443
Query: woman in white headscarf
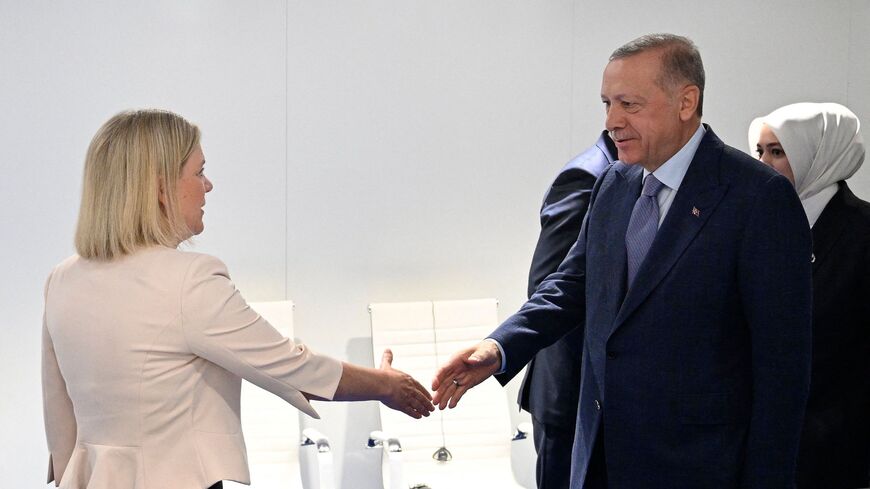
x: 818, y: 146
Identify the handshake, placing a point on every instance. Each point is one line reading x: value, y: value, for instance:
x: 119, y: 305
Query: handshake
x: 465, y: 369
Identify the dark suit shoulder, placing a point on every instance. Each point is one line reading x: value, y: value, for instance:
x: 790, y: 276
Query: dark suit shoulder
x: 858, y: 209
x: 743, y: 167
x: 592, y: 161
x: 573, y: 177
x: 848, y: 210
x: 748, y: 177
x: 611, y: 171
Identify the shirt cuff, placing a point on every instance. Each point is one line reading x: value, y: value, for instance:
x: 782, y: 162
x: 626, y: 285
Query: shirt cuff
x: 502, y: 367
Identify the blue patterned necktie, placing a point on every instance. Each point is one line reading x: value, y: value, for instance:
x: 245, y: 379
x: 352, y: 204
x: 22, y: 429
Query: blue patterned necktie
x: 643, y: 225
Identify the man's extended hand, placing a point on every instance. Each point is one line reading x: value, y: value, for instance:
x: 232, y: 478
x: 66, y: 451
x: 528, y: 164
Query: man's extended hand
x: 465, y: 369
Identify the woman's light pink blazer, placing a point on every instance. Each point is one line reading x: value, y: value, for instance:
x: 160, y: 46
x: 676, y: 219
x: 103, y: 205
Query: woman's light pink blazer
x: 142, y: 362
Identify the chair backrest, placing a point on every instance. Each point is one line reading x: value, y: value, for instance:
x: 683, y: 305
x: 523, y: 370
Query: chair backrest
x: 408, y: 329
x: 270, y: 425
x: 423, y: 335
x: 480, y: 427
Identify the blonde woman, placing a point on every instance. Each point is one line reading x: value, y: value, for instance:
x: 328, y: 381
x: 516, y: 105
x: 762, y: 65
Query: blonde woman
x: 145, y: 346
x: 818, y: 146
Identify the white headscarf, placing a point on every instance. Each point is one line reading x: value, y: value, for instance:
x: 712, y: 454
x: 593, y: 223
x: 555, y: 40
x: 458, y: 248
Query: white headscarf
x: 822, y: 142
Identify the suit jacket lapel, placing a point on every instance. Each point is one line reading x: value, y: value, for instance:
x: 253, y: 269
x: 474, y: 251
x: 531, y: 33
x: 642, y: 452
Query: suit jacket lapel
x: 631, y: 181
x: 696, y: 199
x: 611, y: 220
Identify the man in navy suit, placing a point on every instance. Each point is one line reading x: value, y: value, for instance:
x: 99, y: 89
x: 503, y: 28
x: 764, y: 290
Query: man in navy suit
x: 551, y: 387
x: 692, y: 271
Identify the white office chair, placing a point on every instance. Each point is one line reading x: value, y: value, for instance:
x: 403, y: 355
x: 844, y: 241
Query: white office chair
x: 315, y: 460
x: 481, y: 421
x: 409, y: 330
x: 271, y: 428
x: 469, y: 446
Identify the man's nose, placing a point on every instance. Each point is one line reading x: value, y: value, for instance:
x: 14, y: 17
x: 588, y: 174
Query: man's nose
x: 614, y: 119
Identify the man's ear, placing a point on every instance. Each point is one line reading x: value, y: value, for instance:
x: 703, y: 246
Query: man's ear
x: 690, y: 95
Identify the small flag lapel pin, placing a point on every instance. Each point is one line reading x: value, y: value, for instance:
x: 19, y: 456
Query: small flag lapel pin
x: 696, y: 212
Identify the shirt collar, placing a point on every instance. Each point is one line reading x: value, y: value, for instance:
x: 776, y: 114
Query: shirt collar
x: 671, y: 172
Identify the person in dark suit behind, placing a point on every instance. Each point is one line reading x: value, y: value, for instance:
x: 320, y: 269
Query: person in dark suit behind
x: 817, y: 147
x: 693, y: 272
x: 552, y: 383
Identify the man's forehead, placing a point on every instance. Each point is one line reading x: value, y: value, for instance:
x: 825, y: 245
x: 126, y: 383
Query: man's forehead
x: 648, y: 61
x: 630, y: 71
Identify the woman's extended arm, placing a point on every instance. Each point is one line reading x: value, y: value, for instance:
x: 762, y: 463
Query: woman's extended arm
x: 396, y: 389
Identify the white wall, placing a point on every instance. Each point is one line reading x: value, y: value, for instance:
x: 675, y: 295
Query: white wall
x: 858, y: 83
x: 758, y: 55
x: 66, y: 67
x: 361, y: 151
x: 415, y: 138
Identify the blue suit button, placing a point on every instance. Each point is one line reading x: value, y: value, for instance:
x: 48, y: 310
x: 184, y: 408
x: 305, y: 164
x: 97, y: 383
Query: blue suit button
x: 597, y: 405
x: 611, y: 354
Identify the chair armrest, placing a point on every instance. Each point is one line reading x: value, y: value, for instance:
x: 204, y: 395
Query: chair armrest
x: 393, y: 470
x: 310, y: 436
x: 378, y: 438
x: 316, y: 472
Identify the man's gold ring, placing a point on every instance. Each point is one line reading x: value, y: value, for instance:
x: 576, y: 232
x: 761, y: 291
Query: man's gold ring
x: 456, y: 383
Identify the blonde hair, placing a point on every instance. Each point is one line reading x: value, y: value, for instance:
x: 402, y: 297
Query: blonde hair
x: 133, y: 158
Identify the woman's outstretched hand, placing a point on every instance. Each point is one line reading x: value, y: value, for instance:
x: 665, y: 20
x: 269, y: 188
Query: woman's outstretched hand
x: 402, y: 392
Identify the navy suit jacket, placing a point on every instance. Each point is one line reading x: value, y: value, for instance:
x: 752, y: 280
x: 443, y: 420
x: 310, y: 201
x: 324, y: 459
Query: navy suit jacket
x: 552, y: 383
x: 699, y: 373
x: 835, y: 444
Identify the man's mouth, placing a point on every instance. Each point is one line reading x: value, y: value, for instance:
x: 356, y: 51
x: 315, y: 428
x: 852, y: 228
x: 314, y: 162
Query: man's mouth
x: 619, y: 138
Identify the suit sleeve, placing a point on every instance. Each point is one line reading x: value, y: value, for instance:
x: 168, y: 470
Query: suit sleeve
x: 557, y: 307
x: 561, y: 219
x: 775, y: 281
x: 57, y: 408
x: 220, y: 326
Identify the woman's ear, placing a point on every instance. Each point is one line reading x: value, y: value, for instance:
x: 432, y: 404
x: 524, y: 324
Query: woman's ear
x: 689, y: 98
x: 161, y: 192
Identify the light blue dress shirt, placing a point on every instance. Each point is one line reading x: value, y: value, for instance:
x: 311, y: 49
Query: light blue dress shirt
x: 671, y: 172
